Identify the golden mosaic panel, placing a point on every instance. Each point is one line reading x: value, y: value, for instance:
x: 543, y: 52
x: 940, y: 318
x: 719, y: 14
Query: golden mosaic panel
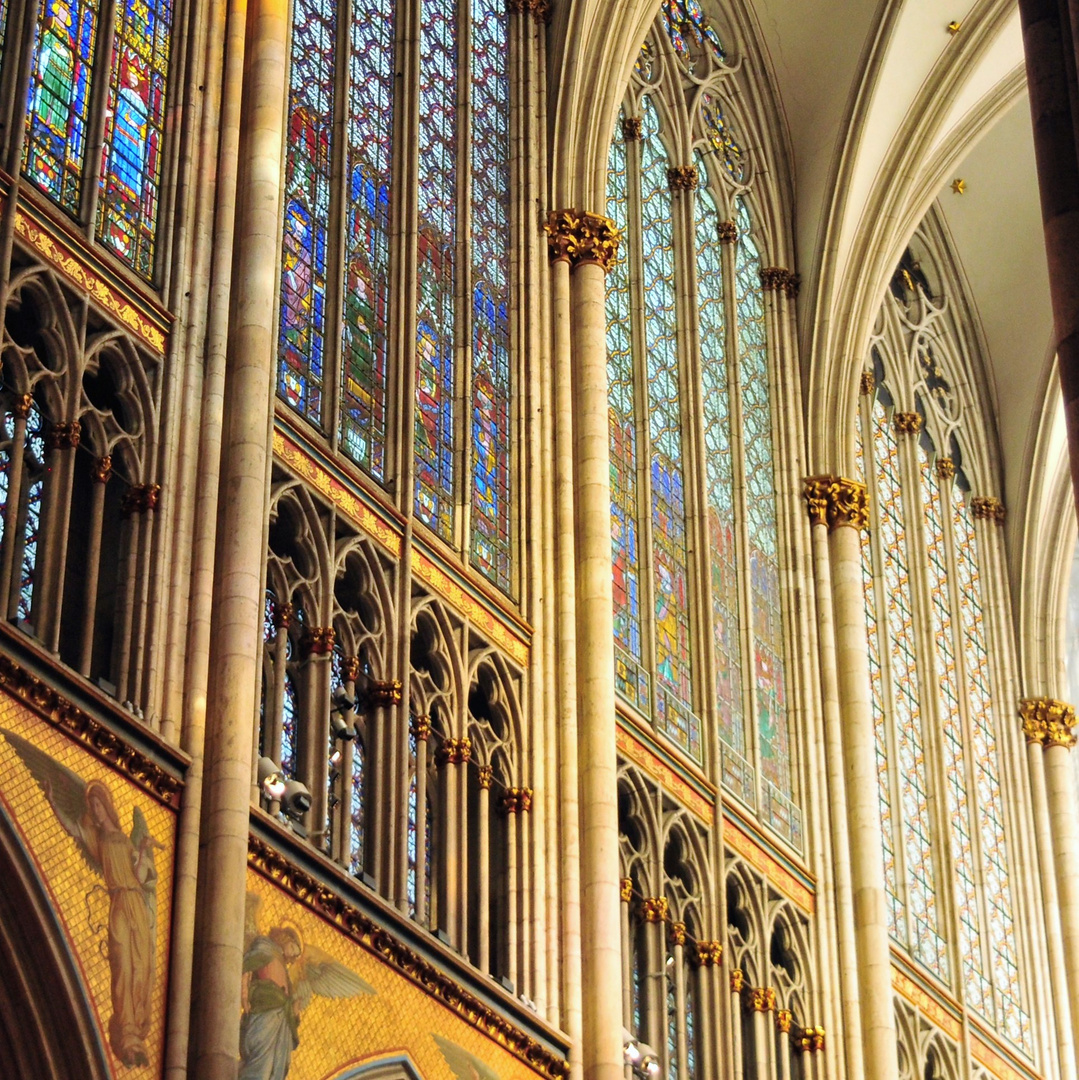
x: 379, y: 1013
x: 98, y: 883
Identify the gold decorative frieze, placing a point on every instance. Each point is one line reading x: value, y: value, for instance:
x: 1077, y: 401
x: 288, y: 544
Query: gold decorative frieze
x: 728, y: 232
x: 1047, y: 721
x: 140, y: 499
x: 945, y: 468
x: 988, y: 508
x: 454, y: 751
x: 378, y: 940
x: 318, y: 641
x: 63, y: 714
x: 759, y: 999
x: 784, y: 1020
x: 420, y: 727
x: 578, y: 237
x: 678, y: 933
x: 654, y: 909
x: 625, y: 889
x: 738, y: 981
x: 780, y: 279
x: 682, y: 178
x: 907, y: 423
x: 835, y: 501
x: 708, y: 954
x: 631, y: 128
x: 868, y: 383
x: 63, y: 436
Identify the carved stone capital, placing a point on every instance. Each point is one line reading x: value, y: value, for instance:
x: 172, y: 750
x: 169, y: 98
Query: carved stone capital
x: 318, y: 641
x: 486, y: 775
x: 868, y: 383
x: 760, y: 999
x: 22, y: 405
x: 988, y: 508
x: 945, y: 468
x: 538, y: 9
x: 835, y: 501
x: 1048, y: 722
x: 283, y: 615
x: 738, y: 981
x: 654, y: 909
x: 678, y: 933
x: 420, y: 727
x: 352, y: 668
x: 63, y: 436
x: 809, y: 1039
x: 784, y: 1019
x: 907, y: 423
x: 780, y: 279
x: 524, y: 799
x: 708, y: 954
x: 579, y: 237
x: 454, y: 751
x: 728, y: 232
x: 625, y: 889
x: 382, y: 694
x: 510, y: 801
x: 682, y: 178
x: 101, y: 471
x: 631, y: 128
x: 140, y: 499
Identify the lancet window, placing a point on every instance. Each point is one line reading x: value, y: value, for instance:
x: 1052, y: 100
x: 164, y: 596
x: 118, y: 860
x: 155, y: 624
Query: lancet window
x: 343, y: 335
x: 934, y: 685
x: 95, y: 133
x: 698, y: 612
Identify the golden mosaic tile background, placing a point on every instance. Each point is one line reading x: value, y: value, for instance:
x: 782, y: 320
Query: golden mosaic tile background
x: 76, y: 891
x: 338, y: 1035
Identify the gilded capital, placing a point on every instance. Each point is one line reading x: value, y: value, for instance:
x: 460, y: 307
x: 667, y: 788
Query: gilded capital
x: 420, y: 727
x: 868, y: 382
x: 524, y: 799
x: 625, y: 889
x: 102, y: 469
x: 708, y: 953
x: 907, y: 423
x: 631, y: 128
x: 760, y: 999
x: 63, y: 436
x: 654, y: 909
x: 283, y: 616
x: 352, y: 668
x: 945, y: 468
x: 1048, y: 722
x: 988, y: 508
x: 382, y: 695
x: 139, y: 499
x: 682, y: 178
x: 728, y: 232
x: 454, y: 751
x: 809, y: 1039
x: 780, y: 279
x: 486, y: 774
x: 836, y: 501
x: 678, y: 933
x: 784, y: 1019
x: 738, y: 981
x: 510, y: 801
x: 22, y: 405
x: 318, y: 641
x: 579, y: 237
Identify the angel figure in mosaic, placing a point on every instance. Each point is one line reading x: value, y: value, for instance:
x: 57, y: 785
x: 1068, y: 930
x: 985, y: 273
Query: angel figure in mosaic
x: 465, y: 1066
x: 125, y: 864
x: 280, y: 976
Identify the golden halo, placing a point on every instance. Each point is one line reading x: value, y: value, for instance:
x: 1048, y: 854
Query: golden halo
x: 288, y: 924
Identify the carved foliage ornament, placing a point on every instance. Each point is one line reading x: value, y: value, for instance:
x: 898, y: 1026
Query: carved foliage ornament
x: 678, y: 933
x: 63, y: 436
x: 1048, y: 722
x: 945, y: 468
x: 454, y: 751
x: 625, y: 889
x: 318, y: 641
x: 708, y: 954
x: 809, y: 1039
x: 728, y: 232
x: 682, y: 178
x: 631, y: 128
x: 988, y: 508
x: 420, y: 726
x: 868, y: 382
x: 907, y: 423
x: 738, y: 981
x: 836, y: 501
x: 760, y: 999
x: 654, y: 909
x: 784, y: 1019
x: 578, y: 237
x: 539, y: 9
x: 140, y: 499
x: 382, y: 944
x: 780, y: 279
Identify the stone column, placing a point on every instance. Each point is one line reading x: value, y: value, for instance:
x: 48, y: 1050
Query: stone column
x: 483, y: 863
x: 847, y: 515
x: 421, y: 729
x: 589, y: 242
x: 101, y: 473
x: 626, y: 895
x: 238, y: 596
x: 509, y: 804
x: 1050, y: 31
x: 678, y: 947
x: 760, y: 1002
x: 783, y: 1043
x: 738, y: 985
x: 1049, y: 722
x: 707, y: 959
x: 654, y: 911
x: 448, y: 756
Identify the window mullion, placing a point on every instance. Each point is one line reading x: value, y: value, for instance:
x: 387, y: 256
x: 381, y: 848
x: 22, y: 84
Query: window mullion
x: 463, y: 280
x: 95, y: 134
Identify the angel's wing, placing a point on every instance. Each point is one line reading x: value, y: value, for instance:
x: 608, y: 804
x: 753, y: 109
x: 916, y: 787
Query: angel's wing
x: 65, y: 791
x: 465, y: 1066
x: 251, y: 918
x: 316, y: 972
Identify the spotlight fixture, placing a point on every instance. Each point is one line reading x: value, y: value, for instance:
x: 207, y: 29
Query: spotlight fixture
x: 271, y: 779
x: 640, y: 1057
x: 295, y: 800
x: 339, y: 729
x: 340, y: 701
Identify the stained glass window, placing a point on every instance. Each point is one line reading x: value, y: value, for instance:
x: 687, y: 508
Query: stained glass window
x: 134, y: 131
x: 631, y: 680
x: 355, y: 854
x: 976, y: 986
x: 672, y: 1023
x: 491, y: 452
x: 302, y: 334
x: 437, y: 313
x: 34, y: 481
x: 926, y: 942
x: 364, y: 327
x: 290, y: 707
x: 772, y: 730
x: 726, y: 640
x: 685, y: 22
x: 723, y: 142
x: 1012, y: 1018
x: 669, y: 557
x: 65, y: 48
